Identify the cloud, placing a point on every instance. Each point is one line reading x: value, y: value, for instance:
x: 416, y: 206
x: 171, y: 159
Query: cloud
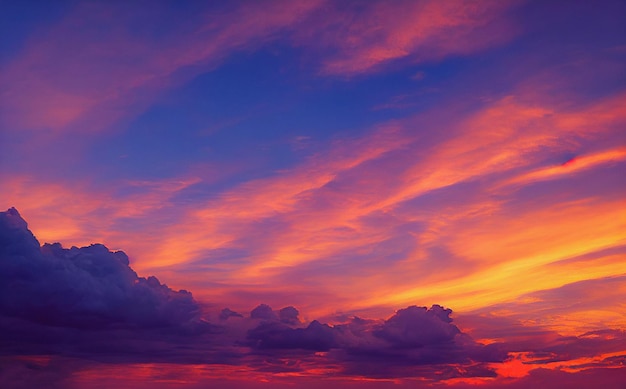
x: 289, y: 315
x: 572, y: 166
x: 416, y: 336
x: 49, y: 87
x: 228, y: 313
x: 571, y: 309
x: 89, y: 287
x: 263, y: 312
x: 315, y: 337
x: 64, y: 300
x: 87, y: 304
x: 419, y: 327
x: 417, y: 31
x: 412, y: 336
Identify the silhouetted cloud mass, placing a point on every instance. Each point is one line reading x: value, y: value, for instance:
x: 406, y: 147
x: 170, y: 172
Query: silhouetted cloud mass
x: 263, y: 312
x: 48, y: 293
x: 289, y: 315
x: 88, y: 302
x: 275, y: 335
x: 228, y: 313
x: 87, y: 287
x: 412, y: 336
x: 419, y: 327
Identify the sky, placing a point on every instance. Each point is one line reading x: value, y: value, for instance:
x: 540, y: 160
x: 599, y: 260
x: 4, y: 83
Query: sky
x: 274, y: 194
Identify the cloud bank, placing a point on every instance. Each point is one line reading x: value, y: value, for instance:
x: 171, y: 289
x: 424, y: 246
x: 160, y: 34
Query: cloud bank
x: 49, y: 294
x: 88, y: 287
x: 88, y: 304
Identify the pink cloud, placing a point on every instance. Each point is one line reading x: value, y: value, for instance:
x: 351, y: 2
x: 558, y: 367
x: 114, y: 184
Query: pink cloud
x: 351, y: 200
x: 52, y: 208
x: 334, y: 205
x: 363, y: 40
x: 572, y: 166
x: 84, y: 81
x: 69, y: 81
x: 349, y: 203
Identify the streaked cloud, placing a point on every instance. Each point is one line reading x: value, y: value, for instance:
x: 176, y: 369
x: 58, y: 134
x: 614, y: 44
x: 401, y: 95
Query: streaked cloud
x: 417, y: 31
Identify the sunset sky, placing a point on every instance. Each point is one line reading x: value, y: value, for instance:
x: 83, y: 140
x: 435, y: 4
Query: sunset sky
x: 356, y: 160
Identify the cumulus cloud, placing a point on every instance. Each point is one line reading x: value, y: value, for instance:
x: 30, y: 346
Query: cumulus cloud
x: 275, y: 335
x: 414, y: 336
x: 88, y: 287
x: 88, y: 303
x: 263, y: 312
x: 54, y: 295
x: 289, y: 315
x: 419, y: 327
x: 228, y: 313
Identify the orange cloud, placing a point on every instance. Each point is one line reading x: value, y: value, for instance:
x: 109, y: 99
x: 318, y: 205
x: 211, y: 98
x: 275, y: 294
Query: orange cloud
x: 358, y: 206
x: 574, y: 165
x: 76, y: 214
x: 342, y: 206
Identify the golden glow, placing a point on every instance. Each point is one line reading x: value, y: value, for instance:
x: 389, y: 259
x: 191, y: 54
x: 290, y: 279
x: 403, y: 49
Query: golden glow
x: 344, y: 206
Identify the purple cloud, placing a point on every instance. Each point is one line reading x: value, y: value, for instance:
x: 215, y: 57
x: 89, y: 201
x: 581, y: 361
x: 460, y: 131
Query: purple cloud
x: 275, y: 335
x: 263, y: 312
x: 228, y: 313
x: 50, y: 295
x: 87, y: 303
x: 289, y: 315
x: 88, y: 287
x: 412, y: 337
x: 418, y: 327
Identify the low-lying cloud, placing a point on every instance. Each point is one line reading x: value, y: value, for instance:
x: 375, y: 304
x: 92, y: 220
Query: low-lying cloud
x: 88, y: 287
x: 88, y: 303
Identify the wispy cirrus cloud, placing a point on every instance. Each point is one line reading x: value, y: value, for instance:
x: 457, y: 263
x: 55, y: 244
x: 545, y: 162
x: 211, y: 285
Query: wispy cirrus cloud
x: 419, y: 31
x: 362, y: 199
x: 64, y: 82
x: 572, y: 166
x: 350, y: 207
